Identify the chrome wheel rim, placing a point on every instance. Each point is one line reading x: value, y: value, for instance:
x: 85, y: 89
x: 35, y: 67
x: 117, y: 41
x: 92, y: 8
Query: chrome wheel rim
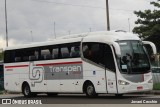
x: 26, y: 90
x: 90, y: 90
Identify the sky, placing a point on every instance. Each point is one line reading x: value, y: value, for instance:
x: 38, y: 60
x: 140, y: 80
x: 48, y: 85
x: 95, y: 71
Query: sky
x: 35, y: 20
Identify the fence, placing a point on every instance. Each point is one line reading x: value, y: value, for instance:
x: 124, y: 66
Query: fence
x: 156, y: 69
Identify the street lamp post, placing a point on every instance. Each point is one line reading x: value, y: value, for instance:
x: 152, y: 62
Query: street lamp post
x: 107, y: 13
x: 55, y: 30
x: 6, y: 23
x: 129, y: 24
x: 32, y: 36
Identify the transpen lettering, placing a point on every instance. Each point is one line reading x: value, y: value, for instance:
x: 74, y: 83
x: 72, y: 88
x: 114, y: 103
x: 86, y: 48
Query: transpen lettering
x: 66, y: 69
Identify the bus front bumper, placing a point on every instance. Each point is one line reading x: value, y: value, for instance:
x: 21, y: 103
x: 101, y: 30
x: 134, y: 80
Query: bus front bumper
x: 135, y: 88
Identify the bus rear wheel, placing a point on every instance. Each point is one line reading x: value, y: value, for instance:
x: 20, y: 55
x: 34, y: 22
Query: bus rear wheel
x: 26, y: 91
x: 90, y: 91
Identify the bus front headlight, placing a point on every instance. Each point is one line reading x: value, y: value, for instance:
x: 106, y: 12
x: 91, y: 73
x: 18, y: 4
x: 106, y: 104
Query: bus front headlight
x: 121, y: 82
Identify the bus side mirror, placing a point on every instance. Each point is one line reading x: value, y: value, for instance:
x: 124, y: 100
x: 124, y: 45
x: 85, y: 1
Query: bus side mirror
x: 152, y: 46
x: 117, y: 48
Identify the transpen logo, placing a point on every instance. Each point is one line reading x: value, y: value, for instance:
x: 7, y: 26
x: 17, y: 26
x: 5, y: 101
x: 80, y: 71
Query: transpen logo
x: 71, y: 68
x: 36, y: 75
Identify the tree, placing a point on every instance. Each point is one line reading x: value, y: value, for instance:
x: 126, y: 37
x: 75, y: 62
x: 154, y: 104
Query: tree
x: 148, y: 21
x: 1, y: 56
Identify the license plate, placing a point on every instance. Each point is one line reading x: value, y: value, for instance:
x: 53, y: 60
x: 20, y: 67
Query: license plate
x: 139, y: 88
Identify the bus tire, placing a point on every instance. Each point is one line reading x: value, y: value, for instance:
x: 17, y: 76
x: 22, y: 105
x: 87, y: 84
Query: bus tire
x: 26, y: 91
x: 90, y: 91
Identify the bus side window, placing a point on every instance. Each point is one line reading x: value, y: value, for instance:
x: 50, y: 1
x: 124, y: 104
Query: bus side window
x: 55, y: 53
x: 75, y: 51
x: 17, y: 59
x: 26, y: 54
x: 45, y: 54
x: 108, y: 58
x: 33, y: 55
x: 9, y: 56
x: 65, y: 52
x: 85, y: 50
x: 91, y: 52
x: 99, y: 53
x: 32, y: 58
x: 36, y: 54
x: 26, y: 58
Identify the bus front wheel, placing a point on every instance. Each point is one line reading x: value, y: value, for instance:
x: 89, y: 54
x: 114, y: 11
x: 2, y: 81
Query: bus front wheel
x: 90, y: 91
x: 26, y: 91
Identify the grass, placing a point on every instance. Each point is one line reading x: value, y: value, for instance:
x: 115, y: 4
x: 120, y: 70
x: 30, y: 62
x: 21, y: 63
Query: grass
x: 156, y: 86
x: 1, y: 91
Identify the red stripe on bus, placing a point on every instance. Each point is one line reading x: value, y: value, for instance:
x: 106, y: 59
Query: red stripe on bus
x: 16, y: 66
x: 61, y: 63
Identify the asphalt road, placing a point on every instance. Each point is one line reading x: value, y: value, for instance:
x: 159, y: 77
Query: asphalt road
x: 82, y: 99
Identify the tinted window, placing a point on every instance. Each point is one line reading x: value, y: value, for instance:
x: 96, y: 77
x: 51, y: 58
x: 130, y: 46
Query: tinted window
x: 65, y: 52
x: 9, y: 56
x: 69, y: 50
x: 45, y: 54
x: 55, y: 54
x: 100, y: 54
x: 75, y: 51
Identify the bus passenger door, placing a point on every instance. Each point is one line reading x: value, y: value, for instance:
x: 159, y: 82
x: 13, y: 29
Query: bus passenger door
x: 110, y: 69
x: 36, y: 76
x: 111, y: 82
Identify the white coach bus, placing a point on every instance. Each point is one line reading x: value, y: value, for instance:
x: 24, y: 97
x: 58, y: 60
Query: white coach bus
x: 90, y: 63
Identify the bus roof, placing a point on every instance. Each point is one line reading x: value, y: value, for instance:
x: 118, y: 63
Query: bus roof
x: 101, y: 36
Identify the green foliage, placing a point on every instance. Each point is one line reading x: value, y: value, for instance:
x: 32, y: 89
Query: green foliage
x: 148, y: 21
x: 1, y: 89
x: 156, y: 86
x: 1, y: 56
x: 1, y: 92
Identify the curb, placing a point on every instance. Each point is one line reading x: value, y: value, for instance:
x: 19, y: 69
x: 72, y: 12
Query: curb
x: 155, y: 92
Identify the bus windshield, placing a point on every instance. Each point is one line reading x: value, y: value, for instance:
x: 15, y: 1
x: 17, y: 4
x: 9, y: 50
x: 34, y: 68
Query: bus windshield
x: 134, y: 58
